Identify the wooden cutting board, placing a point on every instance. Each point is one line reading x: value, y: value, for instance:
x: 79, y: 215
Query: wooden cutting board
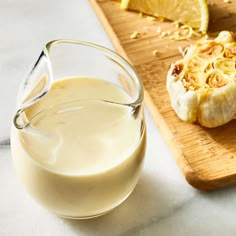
x: 207, y: 157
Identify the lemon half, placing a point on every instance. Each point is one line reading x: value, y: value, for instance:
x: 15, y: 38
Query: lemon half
x: 193, y: 13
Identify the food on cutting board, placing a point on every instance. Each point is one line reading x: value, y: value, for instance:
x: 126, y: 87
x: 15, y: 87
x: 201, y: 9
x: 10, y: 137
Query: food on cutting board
x: 202, y: 85
x: 193, y: 13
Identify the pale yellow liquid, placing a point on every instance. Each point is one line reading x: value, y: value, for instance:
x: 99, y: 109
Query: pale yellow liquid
x: 81, y: 156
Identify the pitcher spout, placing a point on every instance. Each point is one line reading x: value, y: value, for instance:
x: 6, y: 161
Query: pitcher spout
x: 35, y: 86
x: 70, y: 58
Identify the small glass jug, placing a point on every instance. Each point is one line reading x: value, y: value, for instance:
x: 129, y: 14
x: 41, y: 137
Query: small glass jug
x: 78, y: 136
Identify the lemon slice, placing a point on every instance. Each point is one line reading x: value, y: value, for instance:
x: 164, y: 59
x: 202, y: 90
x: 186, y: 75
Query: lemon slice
x: 193, y: 13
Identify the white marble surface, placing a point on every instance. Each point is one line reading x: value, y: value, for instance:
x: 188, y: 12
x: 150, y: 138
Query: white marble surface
x: 162, y: 202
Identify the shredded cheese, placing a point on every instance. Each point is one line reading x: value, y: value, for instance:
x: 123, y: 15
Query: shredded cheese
x: 135, y: 35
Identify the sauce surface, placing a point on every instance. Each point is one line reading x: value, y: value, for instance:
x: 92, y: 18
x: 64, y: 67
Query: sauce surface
x: 81, y: 133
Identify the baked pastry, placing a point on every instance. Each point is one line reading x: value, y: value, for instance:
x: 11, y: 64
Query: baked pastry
x: 202, y: 85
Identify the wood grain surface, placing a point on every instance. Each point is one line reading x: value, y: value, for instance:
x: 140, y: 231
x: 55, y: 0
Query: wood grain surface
x: 207, y: 157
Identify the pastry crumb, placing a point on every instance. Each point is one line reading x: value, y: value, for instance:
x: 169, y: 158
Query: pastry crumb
x: 135, y: 35
x: 163, y: 34
x: 151, y: 18
x: 155, y: 52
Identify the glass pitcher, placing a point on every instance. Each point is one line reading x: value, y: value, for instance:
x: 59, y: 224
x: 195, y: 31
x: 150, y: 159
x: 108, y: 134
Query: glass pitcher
x: 78, y: 136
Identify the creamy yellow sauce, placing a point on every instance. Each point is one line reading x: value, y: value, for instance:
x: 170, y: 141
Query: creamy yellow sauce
x: 81, y: 155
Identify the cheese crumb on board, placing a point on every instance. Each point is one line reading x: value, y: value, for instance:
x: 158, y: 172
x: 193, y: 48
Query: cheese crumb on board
x: 155, y: 52
x: 135, y: 35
